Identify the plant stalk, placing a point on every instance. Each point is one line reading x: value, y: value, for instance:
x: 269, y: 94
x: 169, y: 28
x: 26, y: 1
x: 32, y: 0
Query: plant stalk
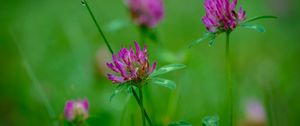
x: 84, y: 2
x: 228, y: 80
x: 142, y: 107
x: 142, y: 35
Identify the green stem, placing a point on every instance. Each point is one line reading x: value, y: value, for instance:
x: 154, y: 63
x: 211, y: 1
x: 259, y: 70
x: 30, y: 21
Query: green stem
x: 228, y: 79
x: 138, y: 101
x: 142, y: 35
x: 84, y: 2
x: 142, y: 105
x: 155, y: 33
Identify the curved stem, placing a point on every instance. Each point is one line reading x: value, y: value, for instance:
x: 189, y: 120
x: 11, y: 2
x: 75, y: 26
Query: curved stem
x: 228, y: 79
x: 138, y: 101
x: 84, y: 2
x: 142, y: 105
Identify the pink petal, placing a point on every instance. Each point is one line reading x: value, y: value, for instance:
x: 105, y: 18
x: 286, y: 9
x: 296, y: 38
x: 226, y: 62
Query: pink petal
x: 233, y: 4
x: 68, y: 111
x: 137, y: 48
x: 85, y: 104
x: 116, y: 79
x: 112, y: 67
x: 152, y: 68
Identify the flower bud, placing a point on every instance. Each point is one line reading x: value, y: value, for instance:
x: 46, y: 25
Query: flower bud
x: 76, y: 111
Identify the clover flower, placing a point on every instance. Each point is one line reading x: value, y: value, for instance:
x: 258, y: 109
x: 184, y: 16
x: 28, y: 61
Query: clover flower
x: 255, y: 111
x: 146, y: 13
x: 130, y: 65
x: 254, y: 114
x: 76, y: 111
x: 221, y: 15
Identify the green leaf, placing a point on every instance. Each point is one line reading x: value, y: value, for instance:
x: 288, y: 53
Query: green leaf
x: 259, y: 17
x: 164, y: 82
x: 212, y: 41
x: 210, y: 121
x: 205, y: 36
x: 180, y: 123
x: 116, y: 25
x: 166, y: 69
x: 118, y: 90
x: 256, y: 27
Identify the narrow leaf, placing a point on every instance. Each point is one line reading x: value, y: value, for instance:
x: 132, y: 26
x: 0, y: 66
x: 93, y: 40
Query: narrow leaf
x: 259, y: 17
x: 212, y: 41
x: 166, y: 69
x: 205, y: 36
x: 164, y: 82
x: 256, y: 27
x: 180, y: 123
x: 118, y: 90
x: 210, y: 121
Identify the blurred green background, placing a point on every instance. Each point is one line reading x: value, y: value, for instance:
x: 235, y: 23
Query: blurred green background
x: 61, y: 56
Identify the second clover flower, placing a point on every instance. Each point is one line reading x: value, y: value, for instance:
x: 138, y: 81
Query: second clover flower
x: 146, y: 13
x: 221, y: 15
x: 131, y: 65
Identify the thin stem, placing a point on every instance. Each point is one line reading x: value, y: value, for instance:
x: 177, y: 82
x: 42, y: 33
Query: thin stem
x: 155, y: 33
x: 142, y: 105
x: 142, y: 35
x: 138, y: 101
x: 228, y: 79
x: 84, y: 2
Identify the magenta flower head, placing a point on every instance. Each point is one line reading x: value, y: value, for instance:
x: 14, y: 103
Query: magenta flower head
x: 222, y: 16
x: 131, y: 66
x: 254, y: 114
x: 146, y: 13
x: 76, y: 111
x: 255, y: 111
